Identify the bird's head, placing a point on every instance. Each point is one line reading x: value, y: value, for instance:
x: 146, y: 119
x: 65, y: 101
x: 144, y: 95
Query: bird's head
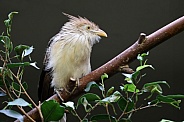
x: 83, y: 29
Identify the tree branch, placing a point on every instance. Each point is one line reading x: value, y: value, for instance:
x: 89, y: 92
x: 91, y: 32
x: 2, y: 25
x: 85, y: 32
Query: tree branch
x: 143, y: 44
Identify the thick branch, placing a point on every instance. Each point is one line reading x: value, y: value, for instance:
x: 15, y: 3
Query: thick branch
x: 144, y: 44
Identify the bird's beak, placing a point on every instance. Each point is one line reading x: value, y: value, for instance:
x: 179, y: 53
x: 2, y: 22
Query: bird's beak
x: 101, y: 33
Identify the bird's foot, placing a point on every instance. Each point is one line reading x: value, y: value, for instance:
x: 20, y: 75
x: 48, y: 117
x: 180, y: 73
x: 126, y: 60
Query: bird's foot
x: 76, y: 83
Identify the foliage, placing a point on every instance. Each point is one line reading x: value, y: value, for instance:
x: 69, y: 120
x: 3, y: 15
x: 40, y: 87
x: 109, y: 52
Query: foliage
x: 126, y: 98
x: 14, y: 60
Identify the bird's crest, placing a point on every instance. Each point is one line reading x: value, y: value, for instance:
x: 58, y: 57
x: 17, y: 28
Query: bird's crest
x: 70, y: 16
x: 80, y: 20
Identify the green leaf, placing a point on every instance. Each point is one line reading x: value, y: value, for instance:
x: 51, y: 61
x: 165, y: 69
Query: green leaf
x: 91, y: 85
x: 139, y: 68
x: 112, y: 98
x: 153, y: 102
x: 1, y: 39
x: 7, y: 72
x: 24, y: 84
x: 104, y: 76
x: 69, y: 104
x: 13, y: 65
x: 7, y: 43
x: 8, y: 22
x: 177, y: 96
x: 8, y: 26
x: 165, y: 99
x: 135, y: 75
x: 85, y: 103
x: 23, y: 51
x: 121, y: 88
x: 155, y: 83
x: 169, y: 100
x: 85, y: 120
x: 2, y: 94
x: 89, y: 97
x: 10, y: 16
x: 19, y: 50
x: 34, y: 65
x: 165, y: 120
x: 27, y: 51
x: 128, y: 77
x: 130, y: 88
x: 131, y: 78
x: 125, y: 105
x: 19, y: 102
x: 52, y: 111
x: 154, y: 87
x: 141, y: 56
x: 104, y: 117
x: 124, y: 120
x: 110, y: 91
x: 12, y: 114
x: 16, y: 86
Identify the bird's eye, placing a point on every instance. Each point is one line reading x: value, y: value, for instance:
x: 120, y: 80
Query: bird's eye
x: 88, y: 27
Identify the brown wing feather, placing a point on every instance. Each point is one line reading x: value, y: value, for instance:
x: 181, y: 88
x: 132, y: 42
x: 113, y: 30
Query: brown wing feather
x: 44, y: 88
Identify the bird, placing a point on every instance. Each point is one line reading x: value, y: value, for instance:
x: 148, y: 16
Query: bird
x: 68, y: 55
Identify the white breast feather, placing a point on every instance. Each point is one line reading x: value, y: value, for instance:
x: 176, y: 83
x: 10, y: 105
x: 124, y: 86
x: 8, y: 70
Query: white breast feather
x: 69, y: 59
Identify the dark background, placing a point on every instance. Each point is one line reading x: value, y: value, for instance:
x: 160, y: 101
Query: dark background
x: 123, y: 20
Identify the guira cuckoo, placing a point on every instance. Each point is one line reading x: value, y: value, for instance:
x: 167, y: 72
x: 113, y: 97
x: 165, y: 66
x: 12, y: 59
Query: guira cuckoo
x: 68, y: 55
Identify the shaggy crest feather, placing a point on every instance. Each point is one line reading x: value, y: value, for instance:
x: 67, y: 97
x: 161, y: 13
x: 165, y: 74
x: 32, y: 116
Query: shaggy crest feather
x: 78, y: 21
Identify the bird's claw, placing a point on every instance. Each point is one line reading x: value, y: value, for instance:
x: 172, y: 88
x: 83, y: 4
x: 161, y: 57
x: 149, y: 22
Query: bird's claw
x: 76, y: 83
x: 59, y: 90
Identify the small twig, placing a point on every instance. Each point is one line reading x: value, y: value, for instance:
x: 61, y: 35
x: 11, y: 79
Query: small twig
x: 77, y: 115
x: 22, y: 110
x: 91, y: 109
x: 15, y: 94
x: 124, y: 111
x: 7, y: 92
x: 4, y: 82
x: 107, y: 110
x: 25, y: 92
x: 3, y: 90
x: 141, y: 108
x: 39, y: 110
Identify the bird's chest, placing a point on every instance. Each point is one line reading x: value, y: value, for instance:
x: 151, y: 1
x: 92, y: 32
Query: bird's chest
x: 79, y: 52
x: 72, y: 53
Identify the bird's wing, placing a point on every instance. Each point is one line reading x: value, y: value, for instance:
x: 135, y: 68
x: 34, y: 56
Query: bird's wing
x: 44, y: 89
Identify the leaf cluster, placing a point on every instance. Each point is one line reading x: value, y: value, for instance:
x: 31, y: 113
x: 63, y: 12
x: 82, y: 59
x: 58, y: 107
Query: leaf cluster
x: 126, y: 99
x: 14, y: 60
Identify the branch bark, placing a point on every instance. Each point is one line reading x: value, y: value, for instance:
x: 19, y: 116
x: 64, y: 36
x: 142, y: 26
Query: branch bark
x: 143, y: 44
